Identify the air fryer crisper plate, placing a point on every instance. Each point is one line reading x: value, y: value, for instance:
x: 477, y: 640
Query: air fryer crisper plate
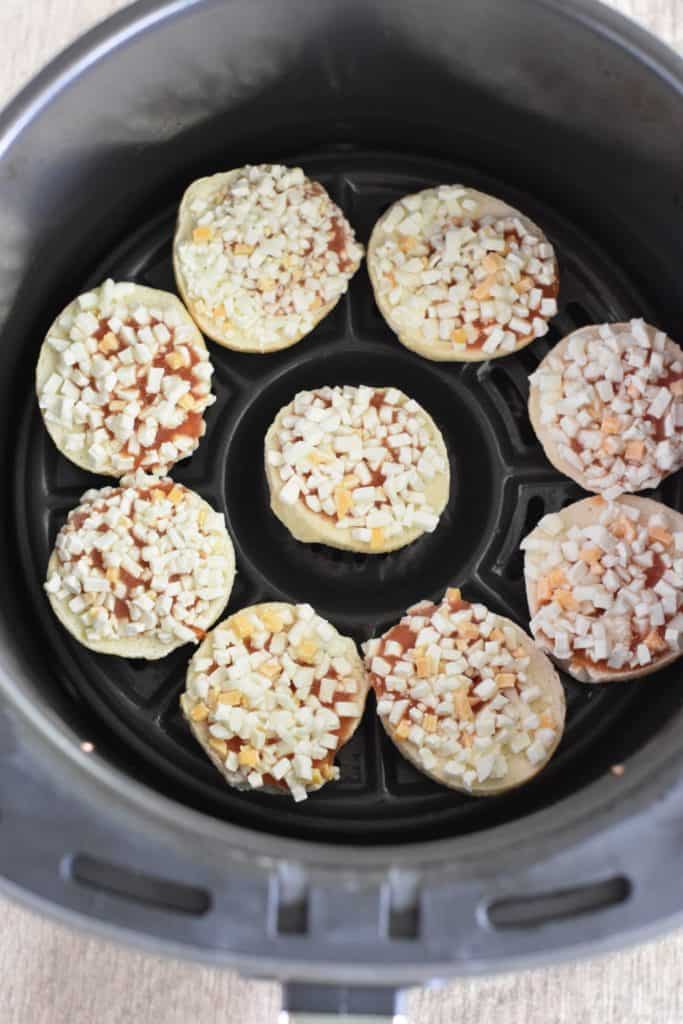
x: 502, y: 485
x: 141, y: 832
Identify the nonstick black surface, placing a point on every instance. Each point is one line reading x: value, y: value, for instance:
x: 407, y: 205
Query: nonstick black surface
x: 501, y: 486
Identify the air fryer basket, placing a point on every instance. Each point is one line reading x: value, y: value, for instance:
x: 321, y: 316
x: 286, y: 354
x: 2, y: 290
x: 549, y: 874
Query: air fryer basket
x: 570, y: 114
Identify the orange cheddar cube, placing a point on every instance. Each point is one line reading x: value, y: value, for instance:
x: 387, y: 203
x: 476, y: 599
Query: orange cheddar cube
x: 470, y: 630
x: 655, y: 643
x: 566, y: 599
x: 306, y: 651
x: 219, y: 747
x: 483, y: 290
x: 658, y: 533
x: 610, y: 425
x: 199, y: 713
x: 202, y: 234
x: 173, y: 360
x: 463, y: 708
x: 557, y: 578
x: 492, y: 262
x: 376, y: 538
x: 109, y: 343
x: 342, y: 501
x: 423, y: 665
x: 232, y: 698
x: 634, y: 451
x: 248, y: 757
x: 186, y: 402
x: 407, y: 243
x: 505, y: 679
x: 623, y: 528
x: 243, y: 626
x: 271, y: 620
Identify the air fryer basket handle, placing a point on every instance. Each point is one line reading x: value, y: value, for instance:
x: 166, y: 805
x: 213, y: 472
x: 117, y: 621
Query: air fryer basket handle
x: 307, y: 1003
x: 344, y: 1018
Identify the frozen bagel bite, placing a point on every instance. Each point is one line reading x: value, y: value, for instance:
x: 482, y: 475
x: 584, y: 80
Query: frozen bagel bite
x: 360, y: 468
x: 607, y: 405
x: 466, y: 696
x: 123, y: 380
x: 459, y: 275
x: 140, y: 569
x: 604, y: 581
x: 261, y: 254
x: 272, y: 695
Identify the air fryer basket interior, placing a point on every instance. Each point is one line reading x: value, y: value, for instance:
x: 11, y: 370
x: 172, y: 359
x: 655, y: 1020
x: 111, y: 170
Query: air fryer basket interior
x: 567, y: 114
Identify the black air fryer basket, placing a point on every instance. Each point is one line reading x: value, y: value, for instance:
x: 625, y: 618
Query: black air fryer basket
x: 109, y: 812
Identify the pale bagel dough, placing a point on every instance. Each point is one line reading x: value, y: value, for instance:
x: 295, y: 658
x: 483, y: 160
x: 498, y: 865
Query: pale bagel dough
x: 191, y: 515
x: 317, y: 527
x: 261, y: 254
x: 257, y: 718
x: 424, y: 227
x: 623, y: 431
x: 555, y: 527
x: 104, y: 447
x: 428, y: 699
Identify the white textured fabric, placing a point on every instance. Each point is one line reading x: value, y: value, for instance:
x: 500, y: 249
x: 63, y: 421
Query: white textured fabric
x: 51, y: 975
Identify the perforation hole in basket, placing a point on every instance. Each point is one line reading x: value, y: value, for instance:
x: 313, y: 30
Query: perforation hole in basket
x: 512, y: 388
x: 514, y: 564
x: 577, y: 313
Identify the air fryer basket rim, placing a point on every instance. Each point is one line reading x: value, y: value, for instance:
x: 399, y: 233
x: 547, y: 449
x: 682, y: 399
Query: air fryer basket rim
x: 591, y: 818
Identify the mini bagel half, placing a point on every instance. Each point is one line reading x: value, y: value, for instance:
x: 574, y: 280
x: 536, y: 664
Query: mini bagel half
x: 140, y: 569
x: 607, y: 405
x: 603, y: 586
x: 466, y: 696
x: 261, y: 255
x: 338, y: 477
x: 123, y: 380
x: 462, y: 276
x: 272, y: 695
